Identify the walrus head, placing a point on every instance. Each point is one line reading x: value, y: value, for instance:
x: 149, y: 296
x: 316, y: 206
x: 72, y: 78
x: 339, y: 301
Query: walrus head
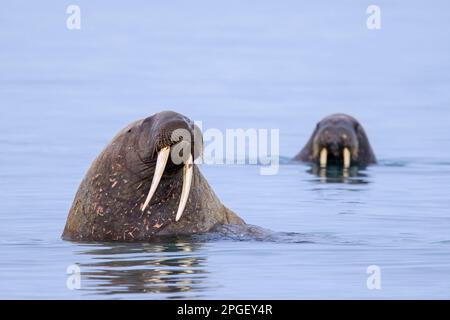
x: 339, y: 140
x: 177, y: 143
x: 145, y: 183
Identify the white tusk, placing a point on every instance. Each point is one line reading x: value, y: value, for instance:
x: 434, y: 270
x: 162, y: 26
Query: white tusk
x: 161, y: 162
x: 323, y: 157
x: 188, y: 171
x: 347, y: 158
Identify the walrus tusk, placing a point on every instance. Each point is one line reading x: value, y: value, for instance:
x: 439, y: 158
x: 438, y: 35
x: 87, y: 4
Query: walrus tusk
x: 323, y: 157
x: 161, y: 162
x: 347, y: 158
x: 187, y: 181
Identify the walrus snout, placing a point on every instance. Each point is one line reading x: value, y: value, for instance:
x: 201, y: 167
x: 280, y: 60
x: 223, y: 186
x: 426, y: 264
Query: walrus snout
x: 338, y: 139
x: 178, y: 143
x: 336, y: 145
x: 170, y: 128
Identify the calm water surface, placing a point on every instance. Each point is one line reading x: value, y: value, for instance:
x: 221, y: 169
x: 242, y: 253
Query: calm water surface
x: 64, y: 94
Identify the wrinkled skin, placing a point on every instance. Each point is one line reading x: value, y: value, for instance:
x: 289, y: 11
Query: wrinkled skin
x: 334, y: 133
x: 108, y: 204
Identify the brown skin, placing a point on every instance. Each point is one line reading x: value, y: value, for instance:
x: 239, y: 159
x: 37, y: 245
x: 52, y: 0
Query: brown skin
x: 107, y: 206
x: 336, y: 132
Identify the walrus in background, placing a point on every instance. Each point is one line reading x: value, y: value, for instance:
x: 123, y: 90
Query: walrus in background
x: 145, y: 184
x: 340, y: 140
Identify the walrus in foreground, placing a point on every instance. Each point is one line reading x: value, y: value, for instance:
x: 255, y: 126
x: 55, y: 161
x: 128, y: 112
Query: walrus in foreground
x: 339, y: 140
x: 145, y: 184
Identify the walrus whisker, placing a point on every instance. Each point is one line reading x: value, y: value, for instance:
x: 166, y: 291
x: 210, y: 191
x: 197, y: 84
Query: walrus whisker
x: 161, y: 162
x: 347, y: 158
x: 323, y: 157
x: 187, y: 182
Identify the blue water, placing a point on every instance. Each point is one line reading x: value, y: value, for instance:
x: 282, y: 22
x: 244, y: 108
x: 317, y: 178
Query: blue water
x: 258, y: 64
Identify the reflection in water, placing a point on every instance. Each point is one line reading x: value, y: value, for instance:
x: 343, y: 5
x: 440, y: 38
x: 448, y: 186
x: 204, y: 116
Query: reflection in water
x: 336, y: 174
x: 174, y: 270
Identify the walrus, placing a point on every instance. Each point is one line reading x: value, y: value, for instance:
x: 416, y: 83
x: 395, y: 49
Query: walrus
x: 339, y: 140
x: 146, y: 184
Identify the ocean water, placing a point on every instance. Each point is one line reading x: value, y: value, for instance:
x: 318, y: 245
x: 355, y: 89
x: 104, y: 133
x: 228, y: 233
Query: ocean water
x: 259, y: 64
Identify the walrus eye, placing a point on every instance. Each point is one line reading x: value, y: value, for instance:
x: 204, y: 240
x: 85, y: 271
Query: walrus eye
x: 188, y: 171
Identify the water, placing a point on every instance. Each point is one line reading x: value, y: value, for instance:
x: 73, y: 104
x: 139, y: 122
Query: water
x: 64, y: 94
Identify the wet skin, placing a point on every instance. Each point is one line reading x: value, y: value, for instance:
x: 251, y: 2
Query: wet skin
x: 338, y: 140
x: 115, y: 203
